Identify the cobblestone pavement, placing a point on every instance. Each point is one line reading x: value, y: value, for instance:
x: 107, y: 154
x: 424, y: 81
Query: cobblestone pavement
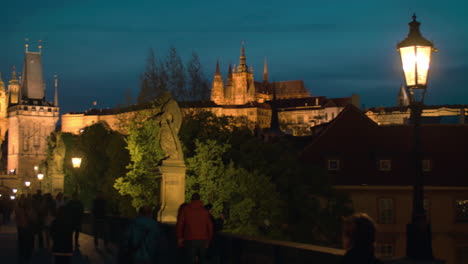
x: 86, y: 253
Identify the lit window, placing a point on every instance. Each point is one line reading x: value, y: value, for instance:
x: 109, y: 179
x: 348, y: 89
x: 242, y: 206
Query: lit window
x: 386, y: 211
x: 461, y: 211
x: 426, y: 165
x: 333, y: 164
x: 385, y: 250
x: 385, y: 165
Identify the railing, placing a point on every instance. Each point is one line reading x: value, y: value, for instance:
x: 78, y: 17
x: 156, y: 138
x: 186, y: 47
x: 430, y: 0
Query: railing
x: 234, y: 248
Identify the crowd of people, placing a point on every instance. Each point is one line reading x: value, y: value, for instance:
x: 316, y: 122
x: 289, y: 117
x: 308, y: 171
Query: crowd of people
x: 49, y: 225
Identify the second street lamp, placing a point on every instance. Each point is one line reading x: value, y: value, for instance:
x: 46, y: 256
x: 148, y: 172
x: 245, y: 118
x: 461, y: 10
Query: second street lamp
x: 40, y: 177
x: 415, y: 52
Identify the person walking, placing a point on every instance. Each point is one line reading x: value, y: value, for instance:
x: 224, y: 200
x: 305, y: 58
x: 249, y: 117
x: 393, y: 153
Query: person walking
x: 25, y: 218
x: 40, y: 209
x: 358, y: 239
x: 75, y: 210
x: 194, y: 230
x: 143, y: 238
x: 214, y: 251
x: 61, y: 231
x: 99, y: 212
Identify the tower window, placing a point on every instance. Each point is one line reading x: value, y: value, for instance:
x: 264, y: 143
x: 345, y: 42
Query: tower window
x: 426, y: 165
x: 385, y: 165
x: 386, y: 211
x: 385, y: 250
x: 333, y: 164
x: 461, y: 211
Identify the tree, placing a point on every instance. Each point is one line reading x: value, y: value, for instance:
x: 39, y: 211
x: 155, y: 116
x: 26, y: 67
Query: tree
x: 249, y: 198
x: 175, y: 74
x: 198, y: 85
x: 142, y: 180
x: 153, y: 81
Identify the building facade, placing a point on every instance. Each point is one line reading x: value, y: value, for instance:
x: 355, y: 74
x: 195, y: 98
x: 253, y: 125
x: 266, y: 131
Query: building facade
x: 26, y: 121
x: 374, y: 165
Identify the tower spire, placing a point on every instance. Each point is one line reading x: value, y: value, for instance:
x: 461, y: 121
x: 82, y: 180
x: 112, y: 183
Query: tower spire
x: 242, y: 60
x: 217, y: 68
x: 265, y: 71
x: 2, y: 84
x: 55, y: 90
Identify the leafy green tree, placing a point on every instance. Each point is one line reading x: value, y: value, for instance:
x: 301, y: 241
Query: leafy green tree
x: 142, y: 181
x: 248, y: 197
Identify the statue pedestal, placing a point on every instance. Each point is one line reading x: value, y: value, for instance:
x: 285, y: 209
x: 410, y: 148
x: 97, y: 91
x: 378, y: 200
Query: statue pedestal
x: 172, y: 189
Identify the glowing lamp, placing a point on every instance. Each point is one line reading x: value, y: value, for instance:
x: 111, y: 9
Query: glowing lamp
x: 15, y: 190
x: 40, y: 176
x: 76, y: 162
x: 36, y: 168
x: 415, y: 52
x: 12, y: 197
x: 27, y: 183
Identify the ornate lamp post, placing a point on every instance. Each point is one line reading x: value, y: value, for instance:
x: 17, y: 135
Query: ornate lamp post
x: 415, y: 52
x: 76, y: 162
x: 40, y: 177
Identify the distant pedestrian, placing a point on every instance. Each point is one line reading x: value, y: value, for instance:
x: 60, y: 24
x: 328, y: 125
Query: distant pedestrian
x: 358, y: 239
x: 25, y: 219
x: 143, y: 239
x: 59, y: 200
x: 62, y: 233
x: 41, y: 213
x: 75, y: 210
x: 214, y: 251
x: 99, y: 212
x: 194, y: 230
x: 51, y: 211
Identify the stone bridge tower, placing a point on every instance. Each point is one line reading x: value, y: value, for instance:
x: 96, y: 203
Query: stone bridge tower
x: 31, y: 119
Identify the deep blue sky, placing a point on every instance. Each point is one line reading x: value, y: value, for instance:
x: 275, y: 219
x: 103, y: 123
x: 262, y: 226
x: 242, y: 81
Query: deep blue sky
x: 98, y: 48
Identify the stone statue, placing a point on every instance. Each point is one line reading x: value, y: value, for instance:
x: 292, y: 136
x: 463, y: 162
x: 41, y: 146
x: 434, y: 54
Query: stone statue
x: 170, y: 120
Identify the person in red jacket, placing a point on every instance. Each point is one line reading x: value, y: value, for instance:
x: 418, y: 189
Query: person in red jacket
x: 194, y: 229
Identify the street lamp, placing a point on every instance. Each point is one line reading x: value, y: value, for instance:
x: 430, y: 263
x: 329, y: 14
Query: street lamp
x: 415, y: 52
x: 40, y: 177
x: 76, y: 162
x: 27, y: 183
x: 15, y: 190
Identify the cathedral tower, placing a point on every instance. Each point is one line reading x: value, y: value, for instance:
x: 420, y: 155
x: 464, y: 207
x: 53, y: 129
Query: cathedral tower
x: 217, y: 90
x: 243, y: 86
x: 3, y: 110
x: 13, y: 89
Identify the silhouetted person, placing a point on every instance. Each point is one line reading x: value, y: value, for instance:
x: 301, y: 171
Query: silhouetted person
x: 143, y: 238
x: 59, y: 200
x: 358, y: 239
x: 214, y: 251
x: 40, y: 209
x: 62, y: 233
x: 99, y: 219
x: 51, y: 211
x: 75, y: 210
x: 25, y: 218
x: 194, y: 230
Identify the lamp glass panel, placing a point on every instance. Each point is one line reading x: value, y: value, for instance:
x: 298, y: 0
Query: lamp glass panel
x: 423, y: 60
x: 76, y: 162
x: 408, y: 60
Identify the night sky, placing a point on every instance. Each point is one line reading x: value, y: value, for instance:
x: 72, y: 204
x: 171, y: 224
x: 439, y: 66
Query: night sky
x: 98, y: 48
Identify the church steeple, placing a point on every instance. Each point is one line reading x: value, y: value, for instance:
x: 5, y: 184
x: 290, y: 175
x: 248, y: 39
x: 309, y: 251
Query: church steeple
x: 55, y: 90
x: 217, y: 89
x: 265, y: 71
x: 2, y: 84
x: 403, y: 97
x: 14, y: 88
x: 242, y: 61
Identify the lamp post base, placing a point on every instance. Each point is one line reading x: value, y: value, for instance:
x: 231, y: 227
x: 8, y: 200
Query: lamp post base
x: 419, y: 242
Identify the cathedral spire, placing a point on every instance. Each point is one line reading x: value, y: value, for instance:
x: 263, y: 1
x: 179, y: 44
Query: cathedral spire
x: 265, y: 71
x: 217, y: 68
x: 2, y: 84
x: 242, y: 60
x: 55, y: 90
